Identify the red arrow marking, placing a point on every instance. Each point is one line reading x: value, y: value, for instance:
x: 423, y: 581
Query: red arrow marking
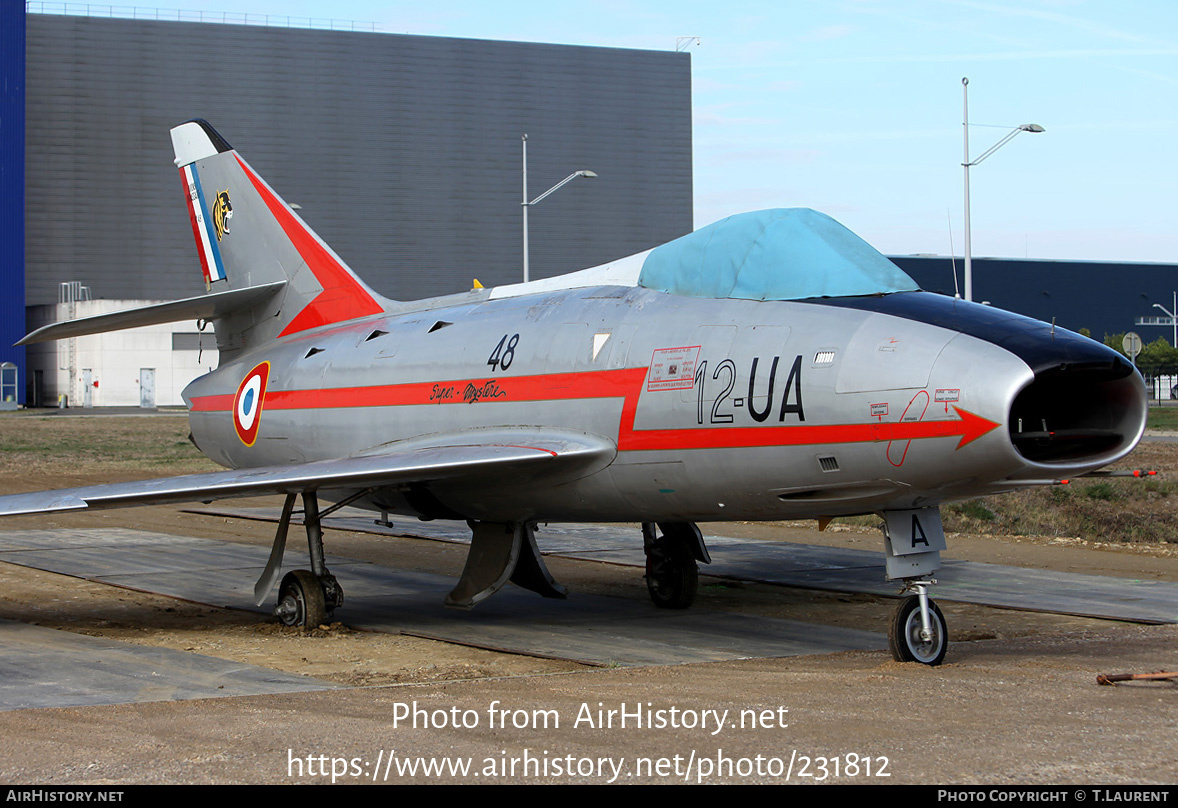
x: 968, y: 427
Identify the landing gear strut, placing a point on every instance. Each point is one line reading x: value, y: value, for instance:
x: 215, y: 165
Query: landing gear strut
x: 672, y: 576
x: 306, y: 598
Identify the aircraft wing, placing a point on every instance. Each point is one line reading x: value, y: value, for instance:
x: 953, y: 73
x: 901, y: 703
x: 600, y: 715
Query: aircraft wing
x: 490, y: 458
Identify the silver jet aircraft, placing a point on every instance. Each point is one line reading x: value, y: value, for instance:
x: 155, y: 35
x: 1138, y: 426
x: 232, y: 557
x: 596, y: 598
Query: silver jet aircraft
x: 770, y: 366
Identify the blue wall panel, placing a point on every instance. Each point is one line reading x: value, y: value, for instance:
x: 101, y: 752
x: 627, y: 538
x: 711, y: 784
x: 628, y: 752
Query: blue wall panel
x: 12, y: 185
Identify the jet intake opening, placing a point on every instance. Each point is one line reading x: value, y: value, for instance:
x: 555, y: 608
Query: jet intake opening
x: 1074, y: 413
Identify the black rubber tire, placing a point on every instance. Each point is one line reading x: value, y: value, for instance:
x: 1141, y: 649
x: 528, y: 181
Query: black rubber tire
x: 301, y: 601
x: 904, y: 634
x: 672, y: 576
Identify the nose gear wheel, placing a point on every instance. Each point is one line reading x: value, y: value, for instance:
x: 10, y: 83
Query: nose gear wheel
x: 904, y: 637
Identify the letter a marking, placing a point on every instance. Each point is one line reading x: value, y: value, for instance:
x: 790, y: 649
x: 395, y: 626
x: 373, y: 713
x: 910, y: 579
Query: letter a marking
x: 918, y: 536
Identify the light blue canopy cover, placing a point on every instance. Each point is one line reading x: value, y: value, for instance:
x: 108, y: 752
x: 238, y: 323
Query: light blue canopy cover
x: 782, y: 254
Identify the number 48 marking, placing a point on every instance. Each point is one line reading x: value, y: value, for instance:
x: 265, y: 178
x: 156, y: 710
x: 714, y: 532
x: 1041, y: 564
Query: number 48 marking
x: 504, y: 353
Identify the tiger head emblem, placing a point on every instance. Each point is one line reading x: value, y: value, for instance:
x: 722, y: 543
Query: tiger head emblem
x: 222, y: 213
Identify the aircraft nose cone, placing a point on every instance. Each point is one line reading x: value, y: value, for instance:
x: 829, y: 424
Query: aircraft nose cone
x: 1083, y: 406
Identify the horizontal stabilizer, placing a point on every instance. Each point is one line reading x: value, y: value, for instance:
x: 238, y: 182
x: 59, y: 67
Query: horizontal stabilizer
x: 470, y: 461
x: 205, y: 307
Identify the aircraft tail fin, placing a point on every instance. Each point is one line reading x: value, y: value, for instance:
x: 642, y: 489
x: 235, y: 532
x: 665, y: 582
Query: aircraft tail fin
x: 247, y: 236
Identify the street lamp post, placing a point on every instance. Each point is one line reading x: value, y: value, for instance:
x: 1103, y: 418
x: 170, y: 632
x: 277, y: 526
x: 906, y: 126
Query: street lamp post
x: 1026, y: 127
x: 1173, y: 313
x: 526, y: 204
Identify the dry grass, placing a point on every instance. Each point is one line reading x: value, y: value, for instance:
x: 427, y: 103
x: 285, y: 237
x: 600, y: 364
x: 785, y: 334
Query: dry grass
x: 138, y: 445
x: 1099, y: 511
x: 1110, y: 510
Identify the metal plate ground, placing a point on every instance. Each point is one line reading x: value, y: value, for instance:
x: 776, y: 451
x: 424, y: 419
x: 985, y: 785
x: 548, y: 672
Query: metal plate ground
x: 44, y: 667
x: 590, y: 629
x: 817, y: 567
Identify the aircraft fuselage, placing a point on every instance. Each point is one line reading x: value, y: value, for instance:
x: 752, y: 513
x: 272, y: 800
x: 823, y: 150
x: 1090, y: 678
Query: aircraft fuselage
x: 719, y: 409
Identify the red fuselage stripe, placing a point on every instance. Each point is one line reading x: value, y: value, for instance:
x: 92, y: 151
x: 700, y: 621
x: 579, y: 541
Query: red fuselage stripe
x: 548, y: 387
x: 625, y: 384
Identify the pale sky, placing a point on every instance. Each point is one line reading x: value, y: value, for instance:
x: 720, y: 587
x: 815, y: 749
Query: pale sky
x: 854, y: 108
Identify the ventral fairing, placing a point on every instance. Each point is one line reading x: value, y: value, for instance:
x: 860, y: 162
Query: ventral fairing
x: 770, y: 366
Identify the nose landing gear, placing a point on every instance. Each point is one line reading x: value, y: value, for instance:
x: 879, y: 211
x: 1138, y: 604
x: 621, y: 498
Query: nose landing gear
x: 913, y: 541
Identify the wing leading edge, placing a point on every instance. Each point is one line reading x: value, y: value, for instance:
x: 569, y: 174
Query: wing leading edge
x: 454, y: 459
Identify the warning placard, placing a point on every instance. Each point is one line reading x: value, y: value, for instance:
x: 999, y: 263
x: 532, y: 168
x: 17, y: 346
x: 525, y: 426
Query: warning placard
x: 672, y: 368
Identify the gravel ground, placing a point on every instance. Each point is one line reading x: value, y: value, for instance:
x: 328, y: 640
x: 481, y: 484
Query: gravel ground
x: 1015, y: 703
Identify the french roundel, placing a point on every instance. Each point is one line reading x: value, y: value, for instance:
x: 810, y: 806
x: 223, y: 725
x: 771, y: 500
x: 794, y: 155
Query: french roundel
x: 247, y: 404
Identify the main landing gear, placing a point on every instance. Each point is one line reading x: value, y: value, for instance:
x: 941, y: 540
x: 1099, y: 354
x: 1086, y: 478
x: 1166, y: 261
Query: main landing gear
x: 672, y: 576
x: 306, y: 598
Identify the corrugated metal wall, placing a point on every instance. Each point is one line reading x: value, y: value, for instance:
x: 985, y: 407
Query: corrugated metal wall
x: 12, y: 186
x: 1104, y: 297
x: 402, y: 151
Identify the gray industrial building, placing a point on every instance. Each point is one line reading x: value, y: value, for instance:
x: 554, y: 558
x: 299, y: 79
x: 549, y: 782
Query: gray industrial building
x: 403, y: 152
